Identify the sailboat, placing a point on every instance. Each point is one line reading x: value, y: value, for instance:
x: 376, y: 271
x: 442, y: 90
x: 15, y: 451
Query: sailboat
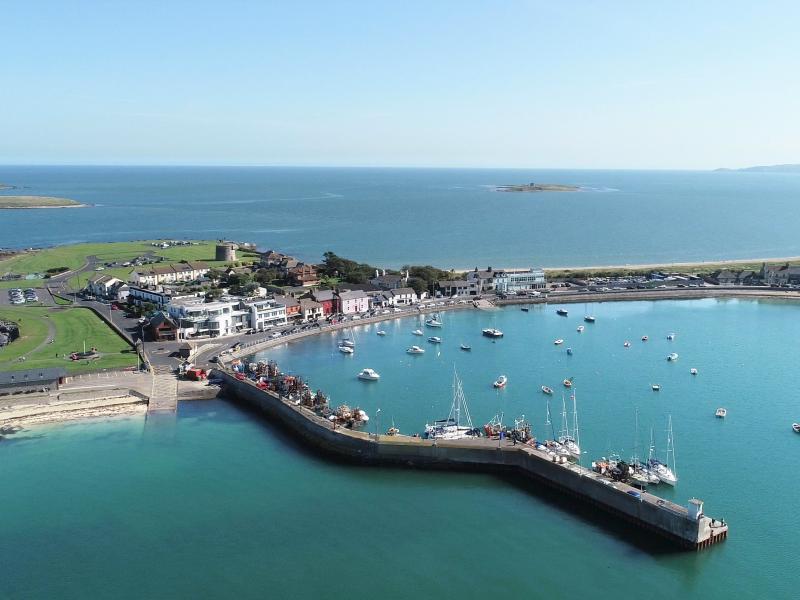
x: 641, y: 474
x: 553, y: 447
x: 666, y: 470
x: 433, y: 321
x: 452, y: 428
x: 568, y: 439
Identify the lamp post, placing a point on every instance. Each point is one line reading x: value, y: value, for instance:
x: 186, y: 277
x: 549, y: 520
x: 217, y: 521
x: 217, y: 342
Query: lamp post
x: 377, y: 423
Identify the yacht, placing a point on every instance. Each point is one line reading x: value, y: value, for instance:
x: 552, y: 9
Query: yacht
x: 346, y: 350
x: 693, y: 371
x: 452, y: 428
x: 466, y: 347
x: 673, y: 356
x: 381, y: 332
x: 589, y: 319
x: 580, y: 329
x: 721, y: 413
x: 347, y: 343
x: 435, y: 340
x: 562, y: 312
x: 369, y: 375
x: 665, y: 472
x: 492, y: 333
x: 547, y: 390
x: 417, y: 332
x: 501, y: 382
x: 433, y: 321
x: 558, y: 342
x: 415, y: 350
x: 567, y: 438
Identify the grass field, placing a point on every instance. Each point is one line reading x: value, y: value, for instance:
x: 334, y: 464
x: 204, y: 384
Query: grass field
x: 71, y: 327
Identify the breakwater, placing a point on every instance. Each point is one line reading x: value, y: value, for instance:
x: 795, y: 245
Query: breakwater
x: 686, y: 527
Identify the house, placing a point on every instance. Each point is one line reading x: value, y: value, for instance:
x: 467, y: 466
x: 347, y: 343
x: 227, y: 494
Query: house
x: 388, y: 282
x: 460, y: 287
x: 483, y: 281
x: 188, y: 271
x: 31, y: 380
x: 726, y: 277
x: 303, y: 275
x: 265, y: 313
x: 197, y: 318
x: 310, y: 310
x: 327, y: 299
x: 139, y: 296
x: 352, y: 302
x: 161, y: 327
x: 511, y: 281
x: 404, y: 296
x: 270, y: 258
x: 292, y: 306
x: 780, y: 274
x: 105, y: 286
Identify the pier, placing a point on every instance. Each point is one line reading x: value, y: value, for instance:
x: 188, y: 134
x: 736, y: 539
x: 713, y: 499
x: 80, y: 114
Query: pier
x: 685, y: 526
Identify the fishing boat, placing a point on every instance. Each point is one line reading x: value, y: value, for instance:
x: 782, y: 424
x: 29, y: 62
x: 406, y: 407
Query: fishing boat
x: 645, y: 338
x: 435, y: 340
x: 369, y: 375
x: 500, y: 382
x: 494, y: 427
x: 673, y: 356
x: 547, y: 390
x: 562, y: 312
x: 492, y: 333
x: 347, y: 343
x: 796, y: 427
x: 381, y: 332
x: 666, y: 470
x: 580, y: 329
x: 453, y: 428
x: 693, y: 371
x: 721, y: 413
x: 466, y: 347
x: 558, y: 342
x: 346, y: 349
x: 433, y: 321
x: 589, y: 319
x: 656, y: 387
x: 569, y: 351
x: 417, y: 332
x: 567, y: 383
x: 415, y: 350
x: 627, y: 344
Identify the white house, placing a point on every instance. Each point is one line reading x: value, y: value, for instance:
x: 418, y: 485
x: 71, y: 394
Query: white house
x: 213, y: 319
x: 310, y: 310
x: 402, y: 296
x: 510, y: 281
x: 106, y: 286
x: 350, y: 303
x: 265, y: 313
x: 156, y: 275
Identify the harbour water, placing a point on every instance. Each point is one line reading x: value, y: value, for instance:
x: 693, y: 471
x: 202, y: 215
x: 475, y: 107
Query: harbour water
x: 217, y: 502
x: 445, y: 217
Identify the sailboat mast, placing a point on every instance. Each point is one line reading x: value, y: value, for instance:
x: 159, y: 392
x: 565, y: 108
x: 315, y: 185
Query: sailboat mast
x: 671, y: 446
x: 575, y: 431
x: 550, y: 420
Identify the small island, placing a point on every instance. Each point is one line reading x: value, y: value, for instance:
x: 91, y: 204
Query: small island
x: 537, y: 187
x: 21, y: 202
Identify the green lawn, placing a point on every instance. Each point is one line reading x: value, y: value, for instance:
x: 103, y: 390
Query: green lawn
x: 73, y: 326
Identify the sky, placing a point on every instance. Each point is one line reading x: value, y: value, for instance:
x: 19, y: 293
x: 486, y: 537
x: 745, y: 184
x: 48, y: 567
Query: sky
x: 623, y: 84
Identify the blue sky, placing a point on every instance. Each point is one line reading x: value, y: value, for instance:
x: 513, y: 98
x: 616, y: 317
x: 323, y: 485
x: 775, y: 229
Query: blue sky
x: 475, y: 84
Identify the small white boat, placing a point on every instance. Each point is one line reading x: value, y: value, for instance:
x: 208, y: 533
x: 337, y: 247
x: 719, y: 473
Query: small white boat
x: 693, y: 371
x: 627, y: 344
x: 673, y: 356
x: 656, y: 387
x: 670, y: 336
x: 547, y: 390
x: 721, y: 413
x: 346, y: 350
x: 558, y: 342
x: 567, y: 383
x: 501, y: 381
x: 433, y: 321
x: 369, y: 375
x: 435, y: 340
x: 492, y: 333
x: 589, y: 319
x: 580, y: 329
x: 381, y: 332
x: 415, y: 350
x: 417, y: 332
x: 347, y: 343
x: 796, y: 427
x: 466, y: 347
x: 562, y: 312
x: 645, y: 338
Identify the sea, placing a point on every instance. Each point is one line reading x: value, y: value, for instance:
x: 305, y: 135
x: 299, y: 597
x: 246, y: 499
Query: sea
x: 451, y: 218
x: 218, y: 502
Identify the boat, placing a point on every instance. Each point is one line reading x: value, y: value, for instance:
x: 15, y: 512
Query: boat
x: 673, y: 356
x: 558, y: 342
x: 347, y: 343
x: 665, y: 472
x: 580, y: 329
x: 500, y: 382
x: 466, y: 347
x: 627, y: 344
x: 369, y: 375
x: 392, y: 430
x: 562, y: 312
x: 569, y: 439
x: 415, y: 350
x: 670, y: 336
x: 693, y: 371
x: 346, y: 350
x: 547, y: 390
x: 433, y: 321
x: 640, y: 472
x: 492, y: 333
x: 567, y: 383
x: 381, y: 332
x: 645, y: 338
x: 569, y: 351
x: 796, y: 427
x: 417, y: 332
x: 656, y: 387
x: 435, y: 340
x: 524, y: 309
x: 452, y: 428
x: 721, y: 413
x: 589, y: 319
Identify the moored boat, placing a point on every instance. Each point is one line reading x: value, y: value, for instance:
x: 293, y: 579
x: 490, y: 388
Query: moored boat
x: 670, y: 336
x: 567, y: 383
x: 558, y: 342
x: 466, y: 347
x: 569, y: 351
x: 693, y: 371
x: 435, y: 340
x: 346, y: 349
x: 347, y: 343
x: 492, y: 333
x: 673, y: 356
x: 627, y: 344
x: 415, y: 350
x: 452, y: 428
x: 524, y: 309
x: 500, y: 382
x: 369, y: 375
x: 417, y: 332
x: 589, y: 319
x: 645, y: 338
x: 562, y: 312
x: 580, y: 329
x: 721, y: 413
x: 381, y: 332
x: 433, y: 321
x: 796, y: 427
x: 547, y: 390
x: 656, y: 387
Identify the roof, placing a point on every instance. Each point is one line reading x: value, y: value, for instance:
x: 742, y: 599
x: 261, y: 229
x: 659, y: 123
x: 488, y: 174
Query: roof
x: 402, y: 291
x: 453, y: 283
x: 159, y: 319
x: 176, y: 268
x: 322, y: 295
x: 352, y: 295
x: 31, y: 375
x: 287, y: 301
x: 308, y: 304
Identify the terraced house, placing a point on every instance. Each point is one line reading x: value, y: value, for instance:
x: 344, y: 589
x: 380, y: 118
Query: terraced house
x: 157, y: 275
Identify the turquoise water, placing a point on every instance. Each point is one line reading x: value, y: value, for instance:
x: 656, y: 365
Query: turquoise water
x: 446, y: 217
x: 219, y: 503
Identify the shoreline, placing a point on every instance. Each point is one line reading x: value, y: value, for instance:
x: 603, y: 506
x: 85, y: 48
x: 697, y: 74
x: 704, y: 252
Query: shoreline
x: 41, y: 207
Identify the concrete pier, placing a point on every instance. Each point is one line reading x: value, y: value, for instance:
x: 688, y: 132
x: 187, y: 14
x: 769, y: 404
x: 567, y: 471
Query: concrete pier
x: 687, y: 527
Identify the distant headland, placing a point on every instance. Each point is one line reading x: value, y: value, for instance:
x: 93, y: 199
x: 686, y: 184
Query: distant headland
x: 765, y: 169
x: 23, y: 202
x: 537, y: 187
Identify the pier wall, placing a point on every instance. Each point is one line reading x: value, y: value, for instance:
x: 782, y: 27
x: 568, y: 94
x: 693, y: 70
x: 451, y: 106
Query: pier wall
x: 662, y: 517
